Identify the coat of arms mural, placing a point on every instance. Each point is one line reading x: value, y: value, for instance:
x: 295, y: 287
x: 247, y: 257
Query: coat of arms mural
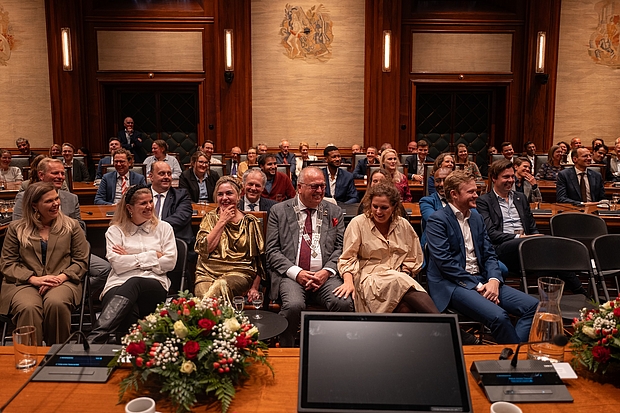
x: 604, y: 46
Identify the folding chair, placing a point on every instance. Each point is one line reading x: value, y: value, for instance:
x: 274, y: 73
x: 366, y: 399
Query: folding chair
x: 178, y: 274
x: 605, y: 250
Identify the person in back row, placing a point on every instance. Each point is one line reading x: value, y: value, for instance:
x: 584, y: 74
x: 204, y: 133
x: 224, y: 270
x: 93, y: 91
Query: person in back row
x: 114, y: 184
x: 580, y: 185
x: 159, y: 150
x: 279, y: 186
x: 340, y: 183
x: 198, y: 180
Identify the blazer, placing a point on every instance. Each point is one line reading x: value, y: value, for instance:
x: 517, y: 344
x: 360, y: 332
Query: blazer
x: 177, y: 211
x: 135, y: 145
x: 69, y: 205
x: 79, y: 171
x: 264, y: 204
x: 345, y: 187
x: 67, y: 254
x: 107, y: 187
x: 283, y: 239
x: 428, y: 205
x: 529, y: 191
x: 280, y: 186
x: 229, y: 167
x: 412, y: 165
x: 446, y: 266
x: 488, y: 206
x: 568, y: 189
x: 189, y: 182
x: 361, y: 169
x: 107, y: 160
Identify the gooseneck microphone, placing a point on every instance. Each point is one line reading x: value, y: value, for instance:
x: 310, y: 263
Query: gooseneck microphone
x: 558, y: 340
x: 39, y: 368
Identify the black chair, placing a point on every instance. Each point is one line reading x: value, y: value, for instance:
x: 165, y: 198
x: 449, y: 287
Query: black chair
x: 178, y: 274
x: 605, y: 250
x: 428, y: 167
x: 548, y: 254
x: 219, y: 168
x: 578, y: 226
x: 539, y: 160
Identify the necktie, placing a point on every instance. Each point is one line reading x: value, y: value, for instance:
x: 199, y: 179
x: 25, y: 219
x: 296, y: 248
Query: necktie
x: 582, y: 187
x: 285, y: 160
x: 233, y: 170
x: 252, y: 207
x: 158, y: 205
x: 123, y: 184
x: 304, y: 252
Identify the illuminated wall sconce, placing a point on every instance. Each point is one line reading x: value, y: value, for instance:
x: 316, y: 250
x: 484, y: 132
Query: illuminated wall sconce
x: 67, y: 57
x: 229, y: 66
x: 386, y: 64
x: 541, y: 46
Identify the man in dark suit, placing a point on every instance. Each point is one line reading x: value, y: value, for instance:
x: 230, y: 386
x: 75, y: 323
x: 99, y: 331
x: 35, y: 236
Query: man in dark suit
x: 131, y: 140
x: 24, y: 148
x: 114, y: 184
x: 572, y: 188
x: 340, y: 183
x: 361, y: 168
x: 304, y: 242
x: 198, y: 180
x: 254, y: 181
x: 434, y: 202
x: 415, y: 163
x: 463, y: 272
x: 233, y: 163
x: 113, y: 144
x: 288, y: 158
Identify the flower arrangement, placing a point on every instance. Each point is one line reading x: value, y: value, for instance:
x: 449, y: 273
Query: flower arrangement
x: 193, y: 346
x: 596, y: 342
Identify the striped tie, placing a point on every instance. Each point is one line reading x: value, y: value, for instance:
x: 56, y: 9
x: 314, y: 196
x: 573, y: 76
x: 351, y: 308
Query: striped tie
x: 123, y: 184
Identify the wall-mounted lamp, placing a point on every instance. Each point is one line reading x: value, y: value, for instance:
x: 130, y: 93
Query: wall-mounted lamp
x: 541, y: 46
x: 229, y: 66
x: 67, y: 58
x: 386, y: 64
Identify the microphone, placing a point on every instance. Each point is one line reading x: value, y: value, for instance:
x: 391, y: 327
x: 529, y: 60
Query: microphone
x: 40, y: 367
x: 558, y: 340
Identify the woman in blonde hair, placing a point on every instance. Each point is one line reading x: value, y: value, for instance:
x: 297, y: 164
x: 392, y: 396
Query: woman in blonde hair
x: 462, y: 157
x: 44, y: 258
x: 304, y: 149
x: 389, y: 161
x: 141, y: 250
x: 230, y: 246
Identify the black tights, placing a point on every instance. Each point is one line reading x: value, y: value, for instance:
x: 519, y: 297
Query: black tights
x: 416, y: 302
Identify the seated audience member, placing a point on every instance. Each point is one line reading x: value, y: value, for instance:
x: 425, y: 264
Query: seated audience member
x: 376, y: 176
x: 159, y: 150
x: 304, y: 242
x: 287, y: 158
x: 415, y: 163
x: 463, y: 272
x: 141, y: 250
x: 251, y: 162
x: 55, y: 151
x: 254, y: 182
x: 389, y: 161
x: 614, y: 163
x: 279, y: 186
x: 525, y: 183
x: 580, y: 185
x: 444, y: 160
x: 198, y: 180
x: 385, y: 146
x: 114, y: 184
x: 230, y: 246
x: 34, y: 176
x: 361, y: 168
x: 507, y: 150
x: 599, y: 157
x: 565, y: 147
x: 232, y: 164
x: 355, y: 148
x: 431, y: 203
x: 412, y: 147
x: 44, y: 259
x: 300, y: 161
x: 484, y: 165
x: 380, y: 257
x: 79, y: 170
x: 596, y: 142
x: 113, y: 145
x: 88, y: 161
x: 549, y: 170
x: 530, y: 152
x: 24, y: 148
x: 261, y: 148
x: 208, y: 147
x: 340, y: 183
x: 9, y: 173
x: 462, y: 157
x: 575, y: 143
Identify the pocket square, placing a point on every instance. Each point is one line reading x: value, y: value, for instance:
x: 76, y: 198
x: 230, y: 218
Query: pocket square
x: 334, y: 222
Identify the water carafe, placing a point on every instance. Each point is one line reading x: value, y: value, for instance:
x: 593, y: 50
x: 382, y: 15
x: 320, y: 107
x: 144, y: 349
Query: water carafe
x: 547, y: 321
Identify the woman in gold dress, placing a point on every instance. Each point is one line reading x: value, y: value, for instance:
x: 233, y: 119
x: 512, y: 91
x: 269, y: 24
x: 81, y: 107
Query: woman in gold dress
x: 230, y: 246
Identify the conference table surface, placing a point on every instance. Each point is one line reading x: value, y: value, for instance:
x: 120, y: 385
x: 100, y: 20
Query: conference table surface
x: 263, y: 393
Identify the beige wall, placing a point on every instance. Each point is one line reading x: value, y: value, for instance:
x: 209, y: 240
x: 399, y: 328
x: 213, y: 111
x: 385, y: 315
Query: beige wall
x: 308, y: 100
x: 25, y: 108
x: 587, y: 103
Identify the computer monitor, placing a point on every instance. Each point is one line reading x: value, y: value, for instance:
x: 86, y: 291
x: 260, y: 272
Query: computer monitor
x: 355, y: 362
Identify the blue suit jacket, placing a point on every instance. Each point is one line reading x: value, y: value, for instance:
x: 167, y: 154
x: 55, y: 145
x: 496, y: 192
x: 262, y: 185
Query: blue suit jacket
x: 428, y: 205
x: 568, y: 189
x: 446, y: 267
x: 107, y: 187
x: 345, y: 187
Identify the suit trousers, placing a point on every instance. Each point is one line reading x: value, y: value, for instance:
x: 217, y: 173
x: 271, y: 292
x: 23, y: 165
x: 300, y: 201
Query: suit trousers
x: 50, y: 314
x: 497, y: 317
x: 294, y: 298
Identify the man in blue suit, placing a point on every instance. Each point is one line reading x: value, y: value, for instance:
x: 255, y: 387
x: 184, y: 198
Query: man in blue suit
x: 570, y: 187
x: 431, y: 203
x: 361, y: 169
x: 340, y: 183
x: 114, y: 184
x: 131, y: 140
x: 463, y: 272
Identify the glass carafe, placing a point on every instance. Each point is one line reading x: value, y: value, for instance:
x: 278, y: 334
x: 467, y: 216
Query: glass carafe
x: 547, y: 321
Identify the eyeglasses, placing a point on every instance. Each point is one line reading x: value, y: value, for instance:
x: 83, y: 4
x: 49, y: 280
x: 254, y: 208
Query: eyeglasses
x: 202, y: 162
x: 315, y: 187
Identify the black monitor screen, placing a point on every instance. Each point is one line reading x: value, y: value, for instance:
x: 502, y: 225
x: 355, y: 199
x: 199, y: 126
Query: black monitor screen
x: 381, y: 362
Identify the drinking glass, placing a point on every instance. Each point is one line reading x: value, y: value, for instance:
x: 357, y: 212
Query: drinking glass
x: 257, y: 302
x: 537, y: 199
x: 4, y: 209
x: 615, y: 199
x: 238, y: 303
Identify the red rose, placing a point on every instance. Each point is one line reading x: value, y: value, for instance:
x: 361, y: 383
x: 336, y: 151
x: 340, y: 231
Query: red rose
x: 617, y: 311
x: 206, y: 325
x: 243, y: 341
x: 191, y: 349
x: 601, y: 354
x: 136, y: 348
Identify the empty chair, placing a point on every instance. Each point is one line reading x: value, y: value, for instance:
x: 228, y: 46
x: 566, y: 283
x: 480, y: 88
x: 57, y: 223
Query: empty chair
x: 605, y: 251
x: 177, y: 276
x: 578, y: 226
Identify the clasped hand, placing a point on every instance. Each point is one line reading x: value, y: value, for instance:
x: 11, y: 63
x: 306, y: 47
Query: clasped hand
x: 312, y: 280
x: 47, y: 282
x: 490, y: 291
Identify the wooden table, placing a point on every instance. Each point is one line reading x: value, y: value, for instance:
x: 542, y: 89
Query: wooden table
x: 262, y: 393
x: 95, y: 215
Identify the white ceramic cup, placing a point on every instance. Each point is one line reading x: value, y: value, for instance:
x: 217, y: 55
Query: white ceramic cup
x: 140, y: 405
x: 505, y: 407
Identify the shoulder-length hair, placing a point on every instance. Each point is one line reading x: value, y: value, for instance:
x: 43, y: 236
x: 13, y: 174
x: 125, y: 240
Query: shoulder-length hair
x: 439, y: 161
x: 30, y: 223
x: 383, y: 189
x: 121, y: 217
x: 397, y: 175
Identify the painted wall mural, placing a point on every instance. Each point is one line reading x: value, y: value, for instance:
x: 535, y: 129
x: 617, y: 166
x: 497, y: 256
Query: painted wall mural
x: 7, y: 40
x: 307, y: 35
x: 605, y: 41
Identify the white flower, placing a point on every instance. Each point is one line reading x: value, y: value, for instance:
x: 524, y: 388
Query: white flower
x: 252, y: 331
x: 232, y: 324
x: 188, y: 367
x: 606, y: 306
x: 180, y: 330
x: 151, y: 318
x: 589, y: 331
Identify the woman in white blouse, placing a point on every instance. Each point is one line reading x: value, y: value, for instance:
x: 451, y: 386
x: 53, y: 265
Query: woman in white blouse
x: 9, y: 173
x: 141, y: 250
x: 304, y: 149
